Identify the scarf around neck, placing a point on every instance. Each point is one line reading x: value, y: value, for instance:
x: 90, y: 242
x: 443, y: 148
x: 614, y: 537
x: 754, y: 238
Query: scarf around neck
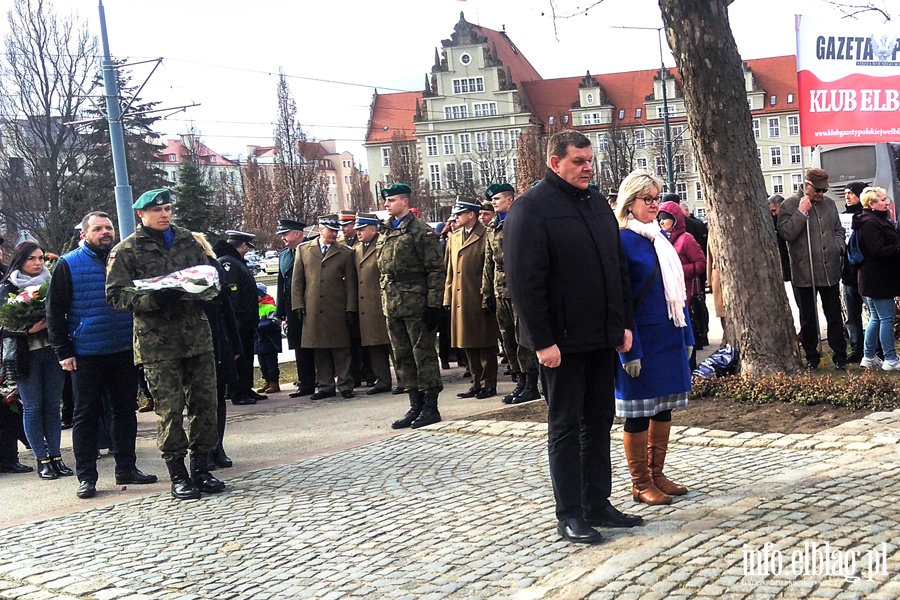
x: 21, y: 281
x: 669, y: 266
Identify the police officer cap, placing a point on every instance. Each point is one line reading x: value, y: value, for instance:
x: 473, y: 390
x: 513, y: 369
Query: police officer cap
x: 240, y: 236
x: 496, y: 188
x: 487, y: 206
x: 330, y: 221
x: 346, y: 217
x: 365, y: 219
x: 153, y: 198
x: 462, y: 206
x: 395, y: 189
x: 285, y: 225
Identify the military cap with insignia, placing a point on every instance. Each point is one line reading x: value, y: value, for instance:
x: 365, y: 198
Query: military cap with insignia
x: 240, y: 236
x: 487, y: 206
x: 495, y: 188
x: 346, y: 217
x: 285, y: 225
x: 153, y: 198
x: 395, y: 189
x: 366, y: 219
x: 462, y: 206
x: 330, y: 221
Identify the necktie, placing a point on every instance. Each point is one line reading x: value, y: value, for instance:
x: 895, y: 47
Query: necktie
x: 324, y: 250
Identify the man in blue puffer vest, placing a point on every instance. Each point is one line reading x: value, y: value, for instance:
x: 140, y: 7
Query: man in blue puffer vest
x: 94, y: 342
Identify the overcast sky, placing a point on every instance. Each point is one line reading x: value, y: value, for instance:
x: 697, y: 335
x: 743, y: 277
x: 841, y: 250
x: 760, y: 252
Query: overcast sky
x: 225, y: 54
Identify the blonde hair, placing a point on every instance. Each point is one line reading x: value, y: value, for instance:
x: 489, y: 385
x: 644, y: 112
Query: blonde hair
x: 870, y: 195
x: 204, y: 243
x: 637, y: 183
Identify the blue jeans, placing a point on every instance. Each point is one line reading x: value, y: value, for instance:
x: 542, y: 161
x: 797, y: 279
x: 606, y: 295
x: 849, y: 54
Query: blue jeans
x: 41, y: 394
x: 881, y: 327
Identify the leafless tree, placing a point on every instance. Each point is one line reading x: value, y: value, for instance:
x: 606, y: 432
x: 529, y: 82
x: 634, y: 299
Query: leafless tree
x: 406, y: 167
x: 360, y: 190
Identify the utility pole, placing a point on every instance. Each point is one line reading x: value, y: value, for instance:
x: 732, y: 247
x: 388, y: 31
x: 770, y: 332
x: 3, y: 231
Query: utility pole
x: 124, y: 197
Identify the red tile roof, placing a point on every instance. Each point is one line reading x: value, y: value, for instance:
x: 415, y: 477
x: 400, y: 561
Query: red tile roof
x: 509, y: 54
x: 392, y: 113
x: 207, y: 156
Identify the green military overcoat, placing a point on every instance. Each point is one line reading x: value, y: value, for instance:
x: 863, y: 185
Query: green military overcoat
x: 325, y: 287
x: 471, y: 325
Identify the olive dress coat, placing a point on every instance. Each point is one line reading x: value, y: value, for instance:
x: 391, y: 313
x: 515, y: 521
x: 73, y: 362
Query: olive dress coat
x: 372, y: 322
x: 325, y: 288
x: 471, y: 326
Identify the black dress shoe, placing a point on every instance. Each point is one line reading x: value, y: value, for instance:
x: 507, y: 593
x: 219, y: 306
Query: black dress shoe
x: 136, y: 477
x: 610, y: 516
x: 16, y: 467
x: 376, y: 390
x: 398, y: 390
x: 486, y: 393
x: 471, y: 393
x: 302, y: 392
x: 257, y: 397
x: 576, y: 530
x: 321, y: 395
x: 66, y: 425
x: 243, y: 400
x: 86, y: 489
x: 347, y: 394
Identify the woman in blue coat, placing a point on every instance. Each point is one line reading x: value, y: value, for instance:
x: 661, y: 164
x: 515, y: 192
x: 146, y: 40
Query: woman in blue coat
x: 655, y: 377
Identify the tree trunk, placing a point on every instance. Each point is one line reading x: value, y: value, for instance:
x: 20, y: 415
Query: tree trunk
x: 758, y: 316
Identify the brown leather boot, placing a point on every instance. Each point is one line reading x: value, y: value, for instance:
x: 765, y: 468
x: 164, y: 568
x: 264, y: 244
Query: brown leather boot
x: 658, y: 445
x: 642, y: 488
x: 271, y: 388
x: 262, y: 389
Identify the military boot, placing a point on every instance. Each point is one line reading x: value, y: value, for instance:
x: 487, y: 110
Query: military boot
x: 530, y: 391
x: 415, y: 407
x: 203, y: 479
x: 217, y: 457
x: 182, y: 486
x: 520, y: 385
x: 429, y: 414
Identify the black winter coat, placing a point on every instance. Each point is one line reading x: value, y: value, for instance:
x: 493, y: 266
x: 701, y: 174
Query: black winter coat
x: 565, y: 268
x: 879, y: 242
x: 236, y: 275
x: 223, y: 325
x: 850, y: 273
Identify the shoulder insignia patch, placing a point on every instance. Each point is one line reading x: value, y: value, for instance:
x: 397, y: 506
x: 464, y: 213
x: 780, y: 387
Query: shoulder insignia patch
x: 112, y: 255
x: 226, y: 266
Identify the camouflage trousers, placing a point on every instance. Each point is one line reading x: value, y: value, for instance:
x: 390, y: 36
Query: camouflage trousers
x: 415, y: 354
x: 521, y: 359
x: 178, y: 383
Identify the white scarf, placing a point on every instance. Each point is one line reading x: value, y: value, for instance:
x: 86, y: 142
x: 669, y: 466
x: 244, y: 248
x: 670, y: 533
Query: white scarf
x: 669, y: 266
x: 22, y: 281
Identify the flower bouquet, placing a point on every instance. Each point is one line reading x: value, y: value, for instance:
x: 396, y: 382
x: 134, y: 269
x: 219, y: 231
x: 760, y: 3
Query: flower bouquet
x: 202, y: 281
x: 25, y: 308
x: 9, y: 396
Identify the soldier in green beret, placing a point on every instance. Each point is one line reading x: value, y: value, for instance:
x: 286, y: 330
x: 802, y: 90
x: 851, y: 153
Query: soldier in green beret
x: 172, y: 340
x: 411, y: 264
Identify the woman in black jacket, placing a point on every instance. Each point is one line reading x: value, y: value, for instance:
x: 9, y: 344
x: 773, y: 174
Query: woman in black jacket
x: 879, y: 276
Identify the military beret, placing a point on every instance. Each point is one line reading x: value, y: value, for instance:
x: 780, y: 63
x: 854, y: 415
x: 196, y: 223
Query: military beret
x: 285, y: 225
x: 330, y: 221
x: 487, y: 206
x: 395, y: 189
x: 495, y: 188
x: 366, y: 219
x: 240, y: 236
x: 346, y: 217
x: 462, y: 206
x: 153, y: 198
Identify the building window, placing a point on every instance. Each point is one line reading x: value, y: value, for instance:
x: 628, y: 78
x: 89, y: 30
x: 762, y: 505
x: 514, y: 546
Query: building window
x: 793, y: 125
x: 385, y: 157
x: 790, y: 98
x: 515, y: 166
x: 501, y: 169
x: 481, y: 144
x: 347, y: 164
x: 661, y: 111
x: 465, y: 143
x: 333, y: 199
x: 700, y: 213
x: 777, y: 184
x: 450, y: 170
x: 590, y: 119
x: 638, y: 112
x: 465, y: 59
x: 499, y: 143
x: 775, y: 156
x: 772, y: 100
x: 171, y: 158
x: 467, y: 175
x: 590, y: 98
x: 677, y: 132
x: 621, y: 114
x: 460, y: 111
x: 468, y: 85
x: 484, y: 167
x: 212, y: 159
x: 431, y: 145
x: 449, y: 146
x: 347, y: 179
x: 698, y: 191
x: 759, y: 155
x: 678, y: 166
x: 750, y: 103
x: 661, y: 166
x: 434, y: 172
x: 639, y: 141
x: 641, y: 163
x: 485, y: 109
x: 795, y: 155
x: 774, y: 127
x: 681, y: 190
x: 602, y: 143
x: 332, y: 180
x: 756, y: 132
x: 514, y: 138
x: 797, y: 182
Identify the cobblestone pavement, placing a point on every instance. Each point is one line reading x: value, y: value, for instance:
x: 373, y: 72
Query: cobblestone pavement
x: 464, y: 510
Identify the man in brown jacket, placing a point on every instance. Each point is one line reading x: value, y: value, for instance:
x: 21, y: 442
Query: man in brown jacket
x: 324, y: 291
x: 372, y: 323
x: 472, y: 328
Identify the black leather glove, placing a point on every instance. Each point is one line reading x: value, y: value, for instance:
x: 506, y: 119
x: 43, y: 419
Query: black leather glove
x: 352, y: 319
x: 491, y: 303
x: 432, y: 317
x: 166, y: 296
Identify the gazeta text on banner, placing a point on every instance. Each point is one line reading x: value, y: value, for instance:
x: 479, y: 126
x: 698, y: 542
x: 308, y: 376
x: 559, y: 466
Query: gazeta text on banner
x: 848, y: 79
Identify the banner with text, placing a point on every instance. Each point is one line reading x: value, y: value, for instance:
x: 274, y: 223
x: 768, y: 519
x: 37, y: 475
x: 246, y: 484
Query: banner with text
x: 848, y: 79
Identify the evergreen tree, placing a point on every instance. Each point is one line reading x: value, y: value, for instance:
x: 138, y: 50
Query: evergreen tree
x: 193, y: 197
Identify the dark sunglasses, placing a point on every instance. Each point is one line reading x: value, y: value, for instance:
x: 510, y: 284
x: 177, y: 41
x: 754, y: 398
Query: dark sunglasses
x: 818, y: 190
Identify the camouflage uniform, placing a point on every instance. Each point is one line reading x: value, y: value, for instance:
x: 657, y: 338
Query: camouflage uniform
x: 411, y: 264
x: 174, y: 343
x: 521, y: 359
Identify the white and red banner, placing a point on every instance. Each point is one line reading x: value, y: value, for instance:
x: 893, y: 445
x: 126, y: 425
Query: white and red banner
x: 848, y: 79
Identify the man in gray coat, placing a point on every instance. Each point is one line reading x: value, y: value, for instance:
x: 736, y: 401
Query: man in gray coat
x: 812, y: 229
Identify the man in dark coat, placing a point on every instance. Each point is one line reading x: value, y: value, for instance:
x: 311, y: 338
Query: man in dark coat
x: 292, y: 235
x: 242, y: 284
x: 853, y: 302
x: 568, y: 278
